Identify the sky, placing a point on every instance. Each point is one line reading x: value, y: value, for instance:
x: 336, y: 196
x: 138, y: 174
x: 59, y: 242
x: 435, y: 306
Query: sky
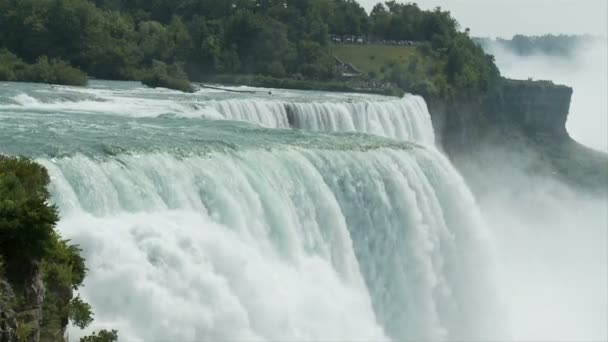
x: 504, y: 18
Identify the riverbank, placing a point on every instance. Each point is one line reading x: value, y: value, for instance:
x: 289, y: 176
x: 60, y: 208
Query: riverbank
x: 295, y: 84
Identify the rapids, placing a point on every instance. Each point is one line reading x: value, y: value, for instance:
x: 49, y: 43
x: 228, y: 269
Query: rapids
x: 209, y: 217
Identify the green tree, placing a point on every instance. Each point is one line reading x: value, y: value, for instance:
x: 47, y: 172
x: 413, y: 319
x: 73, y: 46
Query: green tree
x: 101, y: 336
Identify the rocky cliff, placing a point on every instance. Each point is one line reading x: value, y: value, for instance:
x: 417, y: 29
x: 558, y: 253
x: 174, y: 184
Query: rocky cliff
x: 8, y: 319
x: 21, y: 312
x: 537, y: 107
x: 519, y: 122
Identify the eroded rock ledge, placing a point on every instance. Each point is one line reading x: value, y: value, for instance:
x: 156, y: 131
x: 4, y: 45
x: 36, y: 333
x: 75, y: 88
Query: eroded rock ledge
x: 519, y: 122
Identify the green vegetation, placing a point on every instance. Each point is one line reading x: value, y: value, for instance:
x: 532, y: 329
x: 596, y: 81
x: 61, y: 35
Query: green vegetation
x: 152, y: 41
x: 55, y: 71
x: 26, y: 221
x: 534, y: 85
x: 374, y: 58
x: 166, y: 76
x: 101, y: 336
x: 285, y: 83
x: 406, y: 68
x: 32, y: 251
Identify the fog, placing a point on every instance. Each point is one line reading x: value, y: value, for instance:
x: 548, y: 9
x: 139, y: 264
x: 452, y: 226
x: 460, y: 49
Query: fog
x: 551, y: 243
x: 551, y: 239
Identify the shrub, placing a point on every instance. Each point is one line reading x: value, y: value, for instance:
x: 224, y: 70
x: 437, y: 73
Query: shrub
x: 166, y: 76
x: 8, y: 64
x: 28, y: 239
x: 101, y: 336
x: 26, y: 220
x: 54, y: 71
x: 80, y: 313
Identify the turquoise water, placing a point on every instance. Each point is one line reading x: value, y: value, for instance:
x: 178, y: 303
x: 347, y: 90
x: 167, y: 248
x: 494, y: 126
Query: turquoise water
x: 249, y: 216
x: 38, y: 120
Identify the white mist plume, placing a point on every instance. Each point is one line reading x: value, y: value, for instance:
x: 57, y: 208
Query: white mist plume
x: 552, y: 240
x: 552, y: 245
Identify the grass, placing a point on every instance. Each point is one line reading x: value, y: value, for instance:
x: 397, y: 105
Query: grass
x: 370, y: 58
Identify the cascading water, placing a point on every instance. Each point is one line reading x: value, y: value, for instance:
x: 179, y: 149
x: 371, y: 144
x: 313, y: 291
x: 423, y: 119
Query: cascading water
x: 197, y: 229
x: 404, y: 119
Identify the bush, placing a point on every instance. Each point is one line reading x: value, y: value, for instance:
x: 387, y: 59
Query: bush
x: 166, y: 76
x: 28, y: 239
x: 26, y: 220
x: 101, y: 336
x: 80, y: 313
x: 9, y: 64
x: 54, y: 71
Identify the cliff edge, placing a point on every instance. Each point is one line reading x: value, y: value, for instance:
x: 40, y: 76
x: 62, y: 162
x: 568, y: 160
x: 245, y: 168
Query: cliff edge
x: 518, y: 123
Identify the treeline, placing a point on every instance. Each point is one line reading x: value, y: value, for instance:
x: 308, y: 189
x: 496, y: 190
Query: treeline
x: 448, y: 62
x: 552, y: 45
x: 165, y: 41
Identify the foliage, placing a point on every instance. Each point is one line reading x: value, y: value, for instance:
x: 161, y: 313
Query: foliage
x: 283, y: 83
x: 534, y: 85
x: 166, y: 76
x: 396, y: 21
x: 26, y: 220
x: 54, y: 71
x: 126, y: 39
x: 10, y: 66
x: 27, y: 237
x: 24, y: 331
x: 80, y: 313
x: 101, y: 336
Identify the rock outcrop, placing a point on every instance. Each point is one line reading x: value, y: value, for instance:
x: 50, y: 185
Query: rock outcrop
x: 519, y: 122
x: 31, y: 310
x: 21, y: 315
x: 8, y: 319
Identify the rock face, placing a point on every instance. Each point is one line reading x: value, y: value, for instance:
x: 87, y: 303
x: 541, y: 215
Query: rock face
x: 34, y: 300
x: 520, y: 122
x: 537, y: 107
x: 21, y: 316
x: 8, y: 320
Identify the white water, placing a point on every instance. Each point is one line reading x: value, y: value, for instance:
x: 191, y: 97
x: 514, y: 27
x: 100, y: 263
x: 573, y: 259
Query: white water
x: 292, y: 245
x: 328, y: 237
x: 405, y: 119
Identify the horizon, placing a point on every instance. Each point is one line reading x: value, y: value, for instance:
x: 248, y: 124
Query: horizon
x: 570, y: 17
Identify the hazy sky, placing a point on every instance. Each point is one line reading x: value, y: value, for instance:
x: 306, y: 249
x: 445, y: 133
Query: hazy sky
x: 505, y: 18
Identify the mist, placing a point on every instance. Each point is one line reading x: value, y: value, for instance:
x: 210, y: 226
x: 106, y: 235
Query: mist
x: 551, y: 238
x: 551, y: 246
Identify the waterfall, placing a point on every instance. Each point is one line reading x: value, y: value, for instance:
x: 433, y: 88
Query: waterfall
x: 405, y: 119
x: 204, y: 229
x: 290, y: 245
